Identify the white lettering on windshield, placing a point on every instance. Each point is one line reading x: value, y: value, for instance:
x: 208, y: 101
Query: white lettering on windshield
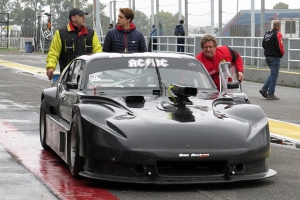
x: 145, y: 63
x: 145, y: 55
x: 94, y: 77
x: 148, y: 62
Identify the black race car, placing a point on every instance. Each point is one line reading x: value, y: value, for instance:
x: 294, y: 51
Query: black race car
x: 152, y: 118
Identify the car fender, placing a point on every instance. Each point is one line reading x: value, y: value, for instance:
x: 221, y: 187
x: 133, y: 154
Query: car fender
x: 90, y: 112
x: 100, y: 112
x: 242, y: 111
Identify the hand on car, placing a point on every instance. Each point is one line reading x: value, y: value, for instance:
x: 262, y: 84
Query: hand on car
x: 240, y: 76
x: 50, y: 73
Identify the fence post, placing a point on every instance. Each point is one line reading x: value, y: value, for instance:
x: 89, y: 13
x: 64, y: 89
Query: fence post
x: 288, y: 56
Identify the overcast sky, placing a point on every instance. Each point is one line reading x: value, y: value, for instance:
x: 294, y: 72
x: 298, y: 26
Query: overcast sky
x: 199, y: 10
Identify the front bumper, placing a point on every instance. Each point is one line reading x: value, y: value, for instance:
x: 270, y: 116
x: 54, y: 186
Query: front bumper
x: 176, y: 172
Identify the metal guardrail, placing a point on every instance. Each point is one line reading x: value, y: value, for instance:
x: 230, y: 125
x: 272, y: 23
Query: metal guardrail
x: 166, y: 44
x: 258, y: 54
x: 170, y: 44
x: 249, y: 48
x: 290, y: 40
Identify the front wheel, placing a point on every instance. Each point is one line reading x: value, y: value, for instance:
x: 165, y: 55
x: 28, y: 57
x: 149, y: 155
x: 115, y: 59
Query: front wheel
x: 43, y: 129
x: 75, y: 161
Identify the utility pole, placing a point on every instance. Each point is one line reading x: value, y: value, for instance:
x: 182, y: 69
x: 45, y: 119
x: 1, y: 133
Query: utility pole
x: 74, y: 3
x: 186, y: 17
x: 212, y: 24
x: 252, y: 19
x: 262, y: 18
x: 133, y: 5
x: 291, y: 23
x: 157, y: 17
x: 152, y: 12
x: 113, y: 12
x: 97, y: 21
x: 220, y: 18
x: 180, y: 10
x: 111, y: 21
x: 237, y: 16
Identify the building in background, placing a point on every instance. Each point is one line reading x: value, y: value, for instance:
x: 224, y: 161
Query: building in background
x: 240, y: 24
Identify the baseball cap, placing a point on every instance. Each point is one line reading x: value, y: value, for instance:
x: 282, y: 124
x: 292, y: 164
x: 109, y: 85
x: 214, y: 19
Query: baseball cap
x: 76, y: 11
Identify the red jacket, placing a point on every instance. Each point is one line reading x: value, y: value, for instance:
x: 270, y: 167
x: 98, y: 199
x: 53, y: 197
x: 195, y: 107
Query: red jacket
x: 211, y: 64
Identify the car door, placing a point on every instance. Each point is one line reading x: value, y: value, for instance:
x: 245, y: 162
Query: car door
x: 68, y: 96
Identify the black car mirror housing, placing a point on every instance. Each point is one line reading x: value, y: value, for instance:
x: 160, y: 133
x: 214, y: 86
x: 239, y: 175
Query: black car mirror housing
x: 233, y: 85
x: 72, y: 85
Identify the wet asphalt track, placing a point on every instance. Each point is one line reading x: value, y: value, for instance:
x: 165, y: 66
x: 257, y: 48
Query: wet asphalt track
x: 19, y: 108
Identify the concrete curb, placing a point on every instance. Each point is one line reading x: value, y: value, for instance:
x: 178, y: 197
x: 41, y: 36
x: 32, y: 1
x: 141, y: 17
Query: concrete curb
x: 260, y: 75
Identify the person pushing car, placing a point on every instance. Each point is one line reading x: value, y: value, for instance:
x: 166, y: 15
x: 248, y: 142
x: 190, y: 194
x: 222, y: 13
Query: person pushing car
x: 212, y: 54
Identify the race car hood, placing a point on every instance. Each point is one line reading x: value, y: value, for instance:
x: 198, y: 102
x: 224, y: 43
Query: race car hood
x: 154, y: 123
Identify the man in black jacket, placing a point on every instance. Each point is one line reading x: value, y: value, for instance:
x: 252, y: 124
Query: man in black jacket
x: 179, y: 31
x: 273, y: 46
x: 124, y: 37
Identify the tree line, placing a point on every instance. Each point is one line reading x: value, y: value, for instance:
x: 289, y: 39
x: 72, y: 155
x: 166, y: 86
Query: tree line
x: 24, y: 13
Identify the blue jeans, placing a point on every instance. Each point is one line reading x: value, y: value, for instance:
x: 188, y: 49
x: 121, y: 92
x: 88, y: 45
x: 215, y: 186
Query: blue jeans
x: 274, y: 65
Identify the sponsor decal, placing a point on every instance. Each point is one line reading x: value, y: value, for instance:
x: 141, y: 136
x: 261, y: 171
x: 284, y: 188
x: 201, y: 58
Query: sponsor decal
x: 199, y: 155
x: 184, y: 155
x: 191, y: 64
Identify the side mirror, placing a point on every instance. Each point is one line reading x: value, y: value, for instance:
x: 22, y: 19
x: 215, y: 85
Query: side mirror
x: 72, y: 85
x: 233, y: 85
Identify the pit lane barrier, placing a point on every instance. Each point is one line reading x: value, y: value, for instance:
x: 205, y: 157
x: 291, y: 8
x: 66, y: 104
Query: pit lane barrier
x: 278, y: 139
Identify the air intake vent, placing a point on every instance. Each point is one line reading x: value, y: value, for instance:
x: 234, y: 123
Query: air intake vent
x: 112, y: 126
x: 134, y: 99
x: 191, y: 168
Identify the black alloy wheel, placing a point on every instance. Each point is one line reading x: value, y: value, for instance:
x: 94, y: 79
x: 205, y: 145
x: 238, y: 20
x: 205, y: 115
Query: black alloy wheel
x: 75, y: 161
x: 43, y: 129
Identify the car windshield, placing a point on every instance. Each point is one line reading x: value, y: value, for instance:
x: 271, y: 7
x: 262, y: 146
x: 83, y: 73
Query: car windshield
x: 141, y: 72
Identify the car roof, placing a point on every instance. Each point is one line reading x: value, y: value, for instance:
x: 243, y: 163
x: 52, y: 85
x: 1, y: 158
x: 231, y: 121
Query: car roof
x: 96, y: 56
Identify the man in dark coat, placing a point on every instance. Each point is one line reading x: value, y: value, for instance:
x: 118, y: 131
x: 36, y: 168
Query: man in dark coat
x: 153, y: 35
x: 124, y: 37
x: 273, y: 51
x: 179, y: 31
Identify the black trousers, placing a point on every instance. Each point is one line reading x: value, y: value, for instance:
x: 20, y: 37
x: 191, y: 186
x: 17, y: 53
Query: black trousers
x: 154, y: 44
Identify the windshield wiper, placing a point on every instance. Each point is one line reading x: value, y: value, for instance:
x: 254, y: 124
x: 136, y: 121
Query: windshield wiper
x: 159, y: 79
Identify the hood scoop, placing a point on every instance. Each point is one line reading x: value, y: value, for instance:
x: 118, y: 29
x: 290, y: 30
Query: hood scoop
x: 134, y: 101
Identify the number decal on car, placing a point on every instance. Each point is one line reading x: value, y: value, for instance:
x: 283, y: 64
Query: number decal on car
x: 95, y: 77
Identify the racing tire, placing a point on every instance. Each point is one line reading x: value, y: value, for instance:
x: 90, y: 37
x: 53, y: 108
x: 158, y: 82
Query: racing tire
x: 44, y: 110
x: 75, y: 161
